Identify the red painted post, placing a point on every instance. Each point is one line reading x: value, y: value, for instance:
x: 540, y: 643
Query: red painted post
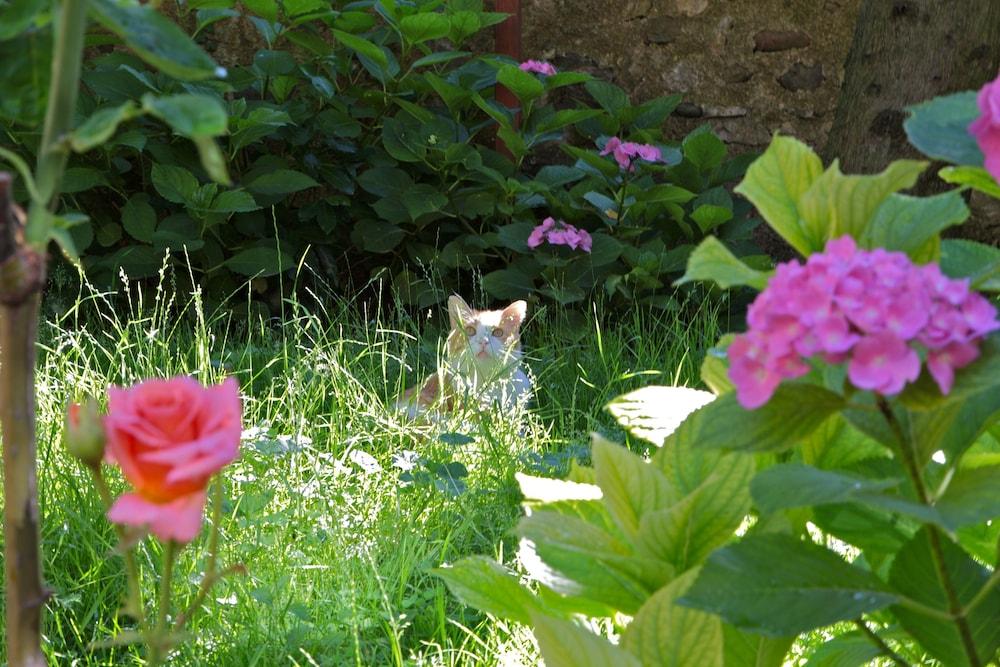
x: 508, y: 43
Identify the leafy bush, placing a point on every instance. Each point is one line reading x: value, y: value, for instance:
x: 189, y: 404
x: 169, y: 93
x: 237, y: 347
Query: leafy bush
x: 874, y: 513
x: 362, y: 137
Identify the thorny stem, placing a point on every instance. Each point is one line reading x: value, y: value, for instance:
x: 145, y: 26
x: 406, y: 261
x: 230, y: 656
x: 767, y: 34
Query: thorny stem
x: 878, y: 641
x: 933, y: 533
x: 134, y: 605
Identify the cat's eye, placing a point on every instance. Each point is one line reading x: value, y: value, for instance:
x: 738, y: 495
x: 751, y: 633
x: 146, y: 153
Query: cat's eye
x: 498, y: 332
x: 470, y: 330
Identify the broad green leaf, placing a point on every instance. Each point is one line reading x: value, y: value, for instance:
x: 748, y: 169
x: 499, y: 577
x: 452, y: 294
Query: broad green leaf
x: 139, y: 218
x: 261, y: 261
x: 794, y: 412
x: 483, y: 583
x: 704, y: 149
x: 851, y: 649
x: 525, y: 86
x: 212, y: 160
x: 612, y: 99
x: 174, y: 183
x: 913, y: 224
x: 788, y: 485
x: 664, y: 193
x: 79, y: 179
x: 189, y: 115
x: 976, y: 178
x: 971, y: 497
x: 439, y: 57
x: 777, y: 585
x: 361, y: 46
x: 914, y: 574
x: 464, y: 24
x: 566, y: 644
x: 561, y: 79
x: 837, y: 444
x: 384, y: 181
x: 667, y: 635
x: 654, y: 113
x: 280, y: 182
x: 632, y: 487
x: 234, y: 201
x: 20, y: 14
x: 25, y: 71
x: 712, y: 260
x: 100, y: 126
x: 939, y: 128
x: 422, y: 199
x: 685, y: 533
x: 156, y: 39
x: 715, y: 369
x: 879, y: 533
x: 424, y: 26
x: 509, y: 283
x: 774, y: 184
x: 836, y: 204
x: 745, y: 648
x: 402, y: 141
x: 564, y: 117
x: 378, y: 236
x: 575, y: 556
x: 961, y: 258
x: 710, y: 216
x: 653, y: 413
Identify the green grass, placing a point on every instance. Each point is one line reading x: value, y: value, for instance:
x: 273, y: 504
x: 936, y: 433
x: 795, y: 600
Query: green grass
x: 337, y: 548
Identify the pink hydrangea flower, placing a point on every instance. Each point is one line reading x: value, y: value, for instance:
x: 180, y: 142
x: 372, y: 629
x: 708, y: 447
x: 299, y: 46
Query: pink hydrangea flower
x: 871, y: 309
x: 564, y: 234
x: 986, y: 128
x: 538, y: 67
x: 626, y: 152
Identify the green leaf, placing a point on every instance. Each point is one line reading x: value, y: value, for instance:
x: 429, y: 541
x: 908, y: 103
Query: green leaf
x: 25, y: 71
x: 212, y: 160
x: 187, y: 114
x: 654, y: 113
x: 654, y: 412
x: 976, y: 178
x: 361, y: 46
x: 402, y: 142
x: 483, y: 583
x: 464, y: 24
x: 851, y: 649
x: 913, y: 224
x: 280, y: 182
x: 632, y: 487
x: 664, y: 193
x: 174, y: 183
x: 788, y: 485
x: 961, y: 258
x: 18, y: 15
x: 835, y: 204
x: 971, y: 497
x: 914, y: 574
x: 667, y: 635
x: 776, y: 181
x: 744, y: 648
x: 422, y: 199
x: 156, y: 39
x: 424, y: 26
x: 612, y: 99
x: 439, y: 57
x: 234, y: 201
x: 564, y: 117
x: 524, y: 85
x: 794, y: 412
x: 509, y: 283
x: 260, y: 261
x: 79, y: 179
x: 378, y: 236
x: 704, y: 149
x: 712, y: 260
x: 566, y: 644
x: 710, y: 216
x: 777, y: 585
x: 139, y: 218
x: 939, y: 128
x: 685, y: 533
x: 100, y: 126
x: 384, y: 181
x: 576, y: 556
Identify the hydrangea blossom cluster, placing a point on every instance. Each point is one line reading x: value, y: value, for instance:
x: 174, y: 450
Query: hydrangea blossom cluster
x: 986, y: 128
x: 560, y: 233
x: 538, y: 67
x: 627, y: 151
x: 872, y: 309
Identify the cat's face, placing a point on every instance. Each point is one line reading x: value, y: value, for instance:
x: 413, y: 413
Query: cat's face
x: 486, y: 338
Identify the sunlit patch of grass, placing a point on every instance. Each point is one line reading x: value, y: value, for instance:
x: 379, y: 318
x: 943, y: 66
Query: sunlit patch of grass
x: 337, y: 506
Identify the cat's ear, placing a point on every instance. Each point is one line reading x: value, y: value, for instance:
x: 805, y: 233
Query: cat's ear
x: 459, y: 312
x: 514, y: 314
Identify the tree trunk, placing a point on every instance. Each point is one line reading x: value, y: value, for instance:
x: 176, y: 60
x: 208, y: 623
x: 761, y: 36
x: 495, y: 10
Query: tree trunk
x: 904, y: 52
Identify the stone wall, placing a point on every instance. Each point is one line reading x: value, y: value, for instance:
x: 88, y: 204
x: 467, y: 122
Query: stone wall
x: 748, y: 67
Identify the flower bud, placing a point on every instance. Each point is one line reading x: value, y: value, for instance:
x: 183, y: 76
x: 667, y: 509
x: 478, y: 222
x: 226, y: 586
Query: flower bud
x: 84, y: 433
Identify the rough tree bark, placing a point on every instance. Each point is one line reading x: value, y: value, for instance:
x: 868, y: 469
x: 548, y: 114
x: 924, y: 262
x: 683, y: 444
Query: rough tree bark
x: 907, y: 51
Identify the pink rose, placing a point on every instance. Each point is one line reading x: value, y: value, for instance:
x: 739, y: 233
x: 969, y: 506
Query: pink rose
x: 170, y: 437
x: 986, y: 128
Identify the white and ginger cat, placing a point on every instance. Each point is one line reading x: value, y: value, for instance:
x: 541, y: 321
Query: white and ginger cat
x: 482, y: 363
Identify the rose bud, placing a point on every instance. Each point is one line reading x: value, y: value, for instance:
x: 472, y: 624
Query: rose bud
x: 84, y: 432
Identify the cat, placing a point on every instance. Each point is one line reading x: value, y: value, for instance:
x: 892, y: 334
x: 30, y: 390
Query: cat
x: 482, y: 364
